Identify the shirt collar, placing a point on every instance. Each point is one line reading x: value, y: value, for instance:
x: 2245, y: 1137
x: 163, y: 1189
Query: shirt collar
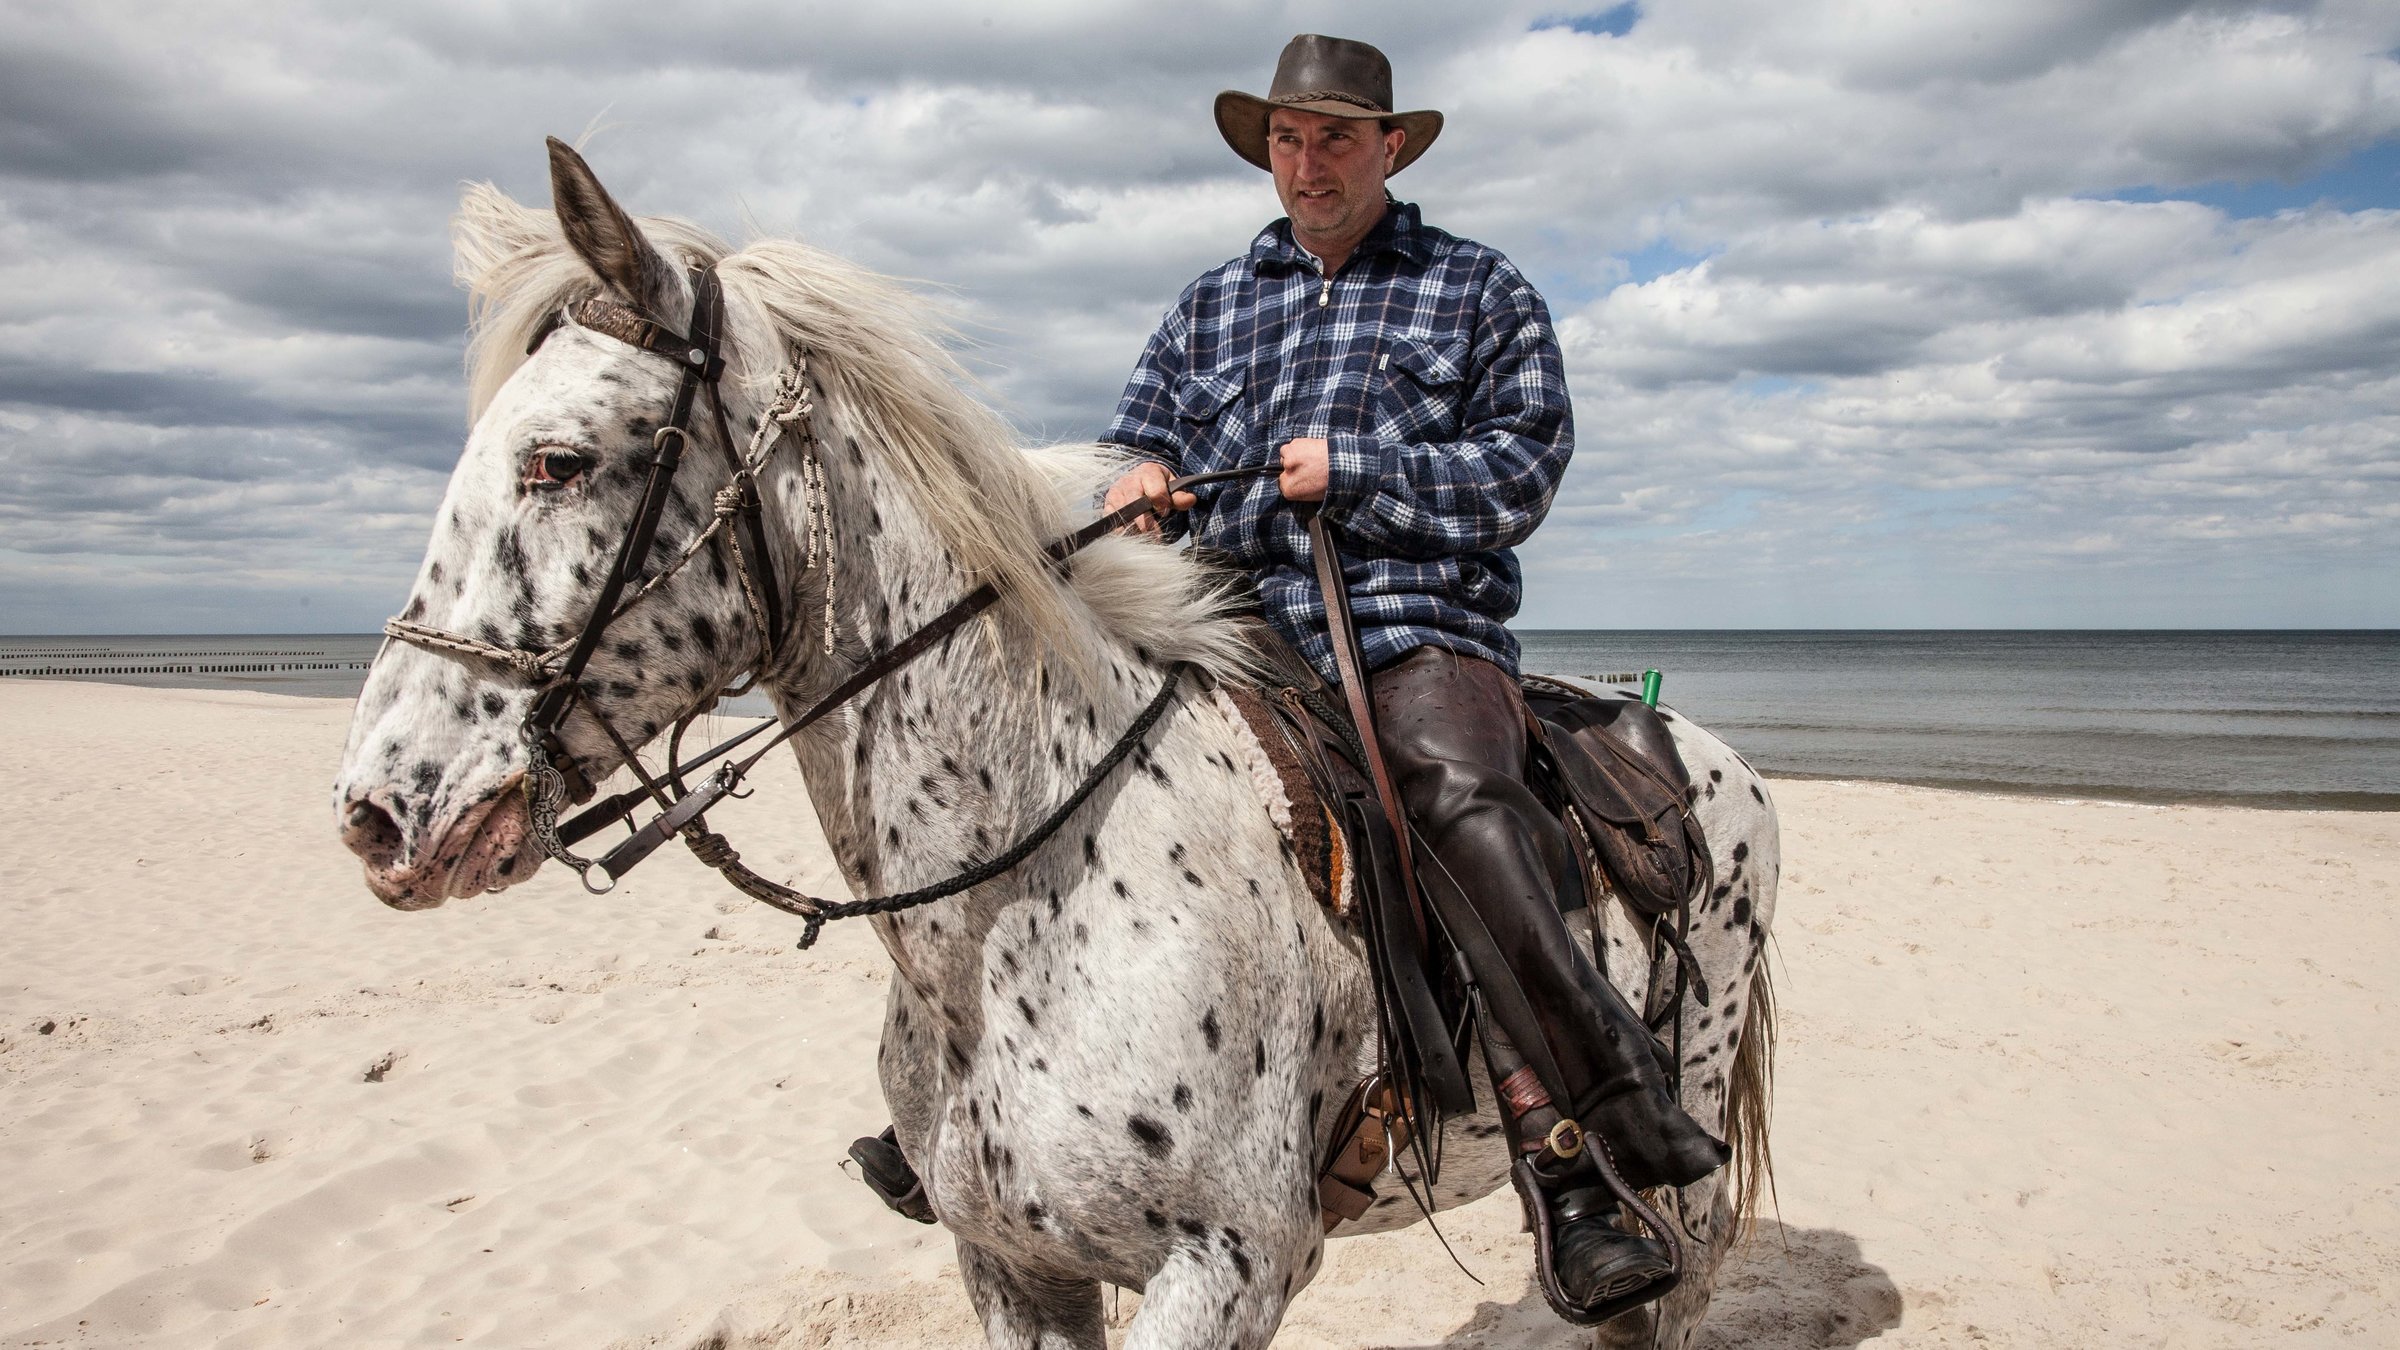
x: 1401, y: 231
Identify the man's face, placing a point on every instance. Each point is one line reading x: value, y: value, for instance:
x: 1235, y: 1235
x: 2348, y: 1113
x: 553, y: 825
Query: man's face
x: 1329, y: 171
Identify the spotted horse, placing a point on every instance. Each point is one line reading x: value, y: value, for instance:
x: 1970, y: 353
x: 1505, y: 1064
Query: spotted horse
x: 1117, y: 1061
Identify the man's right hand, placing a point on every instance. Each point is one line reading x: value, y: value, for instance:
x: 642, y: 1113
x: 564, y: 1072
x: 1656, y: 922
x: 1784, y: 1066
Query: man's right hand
x: 1146, y: 480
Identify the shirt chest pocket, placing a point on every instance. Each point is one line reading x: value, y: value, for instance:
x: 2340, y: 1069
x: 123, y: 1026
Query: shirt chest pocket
x: 1422, y: 389
x: 1209, y: 409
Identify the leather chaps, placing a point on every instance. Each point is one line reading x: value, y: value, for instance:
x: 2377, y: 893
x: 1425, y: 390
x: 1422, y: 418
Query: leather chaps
x: 1453, y: 731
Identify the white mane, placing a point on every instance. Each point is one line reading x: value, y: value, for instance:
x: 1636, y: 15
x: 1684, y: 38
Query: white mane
x: 877, y: 355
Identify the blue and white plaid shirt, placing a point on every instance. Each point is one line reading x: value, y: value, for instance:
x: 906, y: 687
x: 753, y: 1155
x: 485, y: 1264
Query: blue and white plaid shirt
x: 1429, y: 366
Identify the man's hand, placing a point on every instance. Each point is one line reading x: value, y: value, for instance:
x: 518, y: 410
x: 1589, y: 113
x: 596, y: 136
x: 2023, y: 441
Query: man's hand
x: 1146, y: 480
x: 1304, y: 474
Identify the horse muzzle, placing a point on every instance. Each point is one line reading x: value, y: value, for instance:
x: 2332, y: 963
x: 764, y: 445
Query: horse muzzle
x: 487, y: 847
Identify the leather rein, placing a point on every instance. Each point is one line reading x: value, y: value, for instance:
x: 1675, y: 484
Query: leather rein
x: 557, y: 671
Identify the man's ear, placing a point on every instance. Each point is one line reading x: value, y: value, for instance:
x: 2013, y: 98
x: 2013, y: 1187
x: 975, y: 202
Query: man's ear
x: 1392, y: 141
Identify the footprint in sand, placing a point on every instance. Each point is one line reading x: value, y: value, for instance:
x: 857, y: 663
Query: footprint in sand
x: 383, y: 1065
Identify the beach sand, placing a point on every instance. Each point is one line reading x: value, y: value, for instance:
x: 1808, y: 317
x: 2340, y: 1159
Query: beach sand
x: 2052, y: 1074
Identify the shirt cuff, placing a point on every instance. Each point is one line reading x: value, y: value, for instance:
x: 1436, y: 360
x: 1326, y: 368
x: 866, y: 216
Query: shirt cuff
x: 1353, y: 473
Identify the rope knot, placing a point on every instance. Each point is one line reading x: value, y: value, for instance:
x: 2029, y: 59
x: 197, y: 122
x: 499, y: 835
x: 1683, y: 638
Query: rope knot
x: 729, y: 498
x: 712, y: 849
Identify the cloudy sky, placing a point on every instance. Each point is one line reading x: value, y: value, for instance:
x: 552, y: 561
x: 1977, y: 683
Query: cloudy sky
x: 1877, y: 312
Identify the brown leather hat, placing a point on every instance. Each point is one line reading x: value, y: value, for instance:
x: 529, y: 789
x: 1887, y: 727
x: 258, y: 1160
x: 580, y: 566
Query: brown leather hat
x: 1329, y: 75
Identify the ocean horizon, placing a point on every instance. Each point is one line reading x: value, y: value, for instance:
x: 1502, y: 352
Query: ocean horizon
x: 2293, y: 718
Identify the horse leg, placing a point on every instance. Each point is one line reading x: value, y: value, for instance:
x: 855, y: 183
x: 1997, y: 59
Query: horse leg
x: 1026, y: 1310
x: 1210, y: 1295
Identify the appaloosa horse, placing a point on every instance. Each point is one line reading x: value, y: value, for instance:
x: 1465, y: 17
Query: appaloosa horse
x: 1116, y: 1061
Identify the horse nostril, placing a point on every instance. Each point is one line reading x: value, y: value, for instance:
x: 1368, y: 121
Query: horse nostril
x: 370, y: 832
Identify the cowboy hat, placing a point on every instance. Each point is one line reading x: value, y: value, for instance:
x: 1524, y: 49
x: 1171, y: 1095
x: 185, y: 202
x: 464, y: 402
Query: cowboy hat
x: 1329, y: 75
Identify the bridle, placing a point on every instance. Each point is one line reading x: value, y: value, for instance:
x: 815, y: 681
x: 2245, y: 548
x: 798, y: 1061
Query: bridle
x: 556, y: 672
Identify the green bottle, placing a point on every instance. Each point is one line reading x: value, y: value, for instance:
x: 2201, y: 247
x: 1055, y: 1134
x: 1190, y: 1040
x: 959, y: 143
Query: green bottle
x: 1651, y: 680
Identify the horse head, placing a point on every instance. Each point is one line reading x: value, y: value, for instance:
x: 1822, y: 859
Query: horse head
x: 555, y: 467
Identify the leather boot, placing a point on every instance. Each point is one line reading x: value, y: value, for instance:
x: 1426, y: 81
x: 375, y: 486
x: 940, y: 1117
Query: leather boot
x: 1597, y: 1263
x: 1588, y: 1268
x: 885, y: 1169
x: 1493, y: 868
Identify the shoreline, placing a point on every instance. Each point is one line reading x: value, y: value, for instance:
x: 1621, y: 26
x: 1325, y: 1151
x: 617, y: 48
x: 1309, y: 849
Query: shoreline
x: 2108, y: 794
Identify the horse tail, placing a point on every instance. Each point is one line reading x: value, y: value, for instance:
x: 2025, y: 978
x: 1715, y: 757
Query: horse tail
x: 1748, y: 1103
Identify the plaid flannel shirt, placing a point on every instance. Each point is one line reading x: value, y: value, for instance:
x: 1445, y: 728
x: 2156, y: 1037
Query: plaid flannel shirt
x: 1429, y: 366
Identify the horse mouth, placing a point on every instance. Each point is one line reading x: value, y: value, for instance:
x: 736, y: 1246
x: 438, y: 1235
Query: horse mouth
x: 488, y: 848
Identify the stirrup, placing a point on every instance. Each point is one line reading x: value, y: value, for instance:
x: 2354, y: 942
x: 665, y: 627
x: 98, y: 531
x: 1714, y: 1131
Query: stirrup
x: 1538, y: 1221
x: 885, y: 1169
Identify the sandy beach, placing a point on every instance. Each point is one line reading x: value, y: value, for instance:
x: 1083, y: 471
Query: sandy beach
x: 2053, y: 1074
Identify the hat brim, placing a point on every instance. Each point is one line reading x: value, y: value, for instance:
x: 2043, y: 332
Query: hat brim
x: 1242, y: 121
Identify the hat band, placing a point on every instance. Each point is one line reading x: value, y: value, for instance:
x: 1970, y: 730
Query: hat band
x: 1331, y: 96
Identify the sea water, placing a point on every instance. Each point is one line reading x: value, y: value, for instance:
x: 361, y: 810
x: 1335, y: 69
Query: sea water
x: 2266, y: 718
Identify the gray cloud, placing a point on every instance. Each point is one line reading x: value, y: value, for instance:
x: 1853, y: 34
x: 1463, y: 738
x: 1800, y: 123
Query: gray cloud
x: 1921, y: 361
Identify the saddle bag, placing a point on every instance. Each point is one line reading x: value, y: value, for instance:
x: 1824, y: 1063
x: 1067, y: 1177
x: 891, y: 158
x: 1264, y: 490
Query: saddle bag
x: 1613, y: 762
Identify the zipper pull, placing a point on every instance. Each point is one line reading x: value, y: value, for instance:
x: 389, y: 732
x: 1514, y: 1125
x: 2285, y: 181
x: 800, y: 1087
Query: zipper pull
x: 1325, y: 297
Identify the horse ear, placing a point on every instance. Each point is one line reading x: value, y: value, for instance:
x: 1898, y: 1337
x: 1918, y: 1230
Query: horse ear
x: 604, y: 236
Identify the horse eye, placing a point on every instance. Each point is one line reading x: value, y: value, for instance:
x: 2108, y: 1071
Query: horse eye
x: 554, y: 468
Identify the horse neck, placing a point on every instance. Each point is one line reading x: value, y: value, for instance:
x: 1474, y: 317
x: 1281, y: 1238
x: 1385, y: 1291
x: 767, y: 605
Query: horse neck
x: 953, y: 758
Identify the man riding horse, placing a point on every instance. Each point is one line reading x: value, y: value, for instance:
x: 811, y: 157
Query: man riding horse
x: 1410, y: 386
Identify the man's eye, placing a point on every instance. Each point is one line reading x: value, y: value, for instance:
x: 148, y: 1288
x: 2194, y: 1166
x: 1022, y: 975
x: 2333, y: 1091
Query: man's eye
x: 554, y: 468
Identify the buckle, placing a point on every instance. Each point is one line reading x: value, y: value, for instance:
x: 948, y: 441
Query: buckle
x: 1566, y: 1139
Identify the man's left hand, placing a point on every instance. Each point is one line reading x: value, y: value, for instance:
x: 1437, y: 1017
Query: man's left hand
x: 1304, y: 475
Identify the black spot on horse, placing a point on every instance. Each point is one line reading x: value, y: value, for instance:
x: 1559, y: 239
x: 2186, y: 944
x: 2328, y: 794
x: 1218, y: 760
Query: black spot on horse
x: 509, y: 552
x: 1026, y: 1010
x: 1262, y: 1057
x: 1153, y: 1218
x: 1741, y: 909
x: 1152, y: 1136
x: 1741, y: 850
x: 1192, y: 1227
x: 1183, y: 1097
x: 704, y: 632
x: 1210, y: 1030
